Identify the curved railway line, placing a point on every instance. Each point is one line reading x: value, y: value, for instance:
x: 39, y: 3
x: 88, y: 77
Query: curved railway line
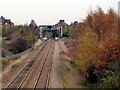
x: 36, y: 73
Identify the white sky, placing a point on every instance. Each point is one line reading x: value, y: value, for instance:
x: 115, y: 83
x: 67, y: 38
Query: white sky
x: 51, y: 11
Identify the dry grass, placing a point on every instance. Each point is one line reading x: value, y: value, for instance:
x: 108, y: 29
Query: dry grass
x: 70, y: 74
x: 6, y: 63
x: 9, y: 65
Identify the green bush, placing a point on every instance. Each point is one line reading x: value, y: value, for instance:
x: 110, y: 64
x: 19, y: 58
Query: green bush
x: 31, y: 38
x: 4, y: 31
x: 112, y: 80
x: 5, y: 52
x: 66, y: 33
x: 15, y: 65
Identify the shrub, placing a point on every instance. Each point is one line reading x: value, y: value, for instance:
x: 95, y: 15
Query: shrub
x: 19, y: 45
x: 66, y: 33
x: 92, y: 77
x: 32, y: 38
x: 5, y: 52
x: 4, y: 31
x: 112, y: 80
x: 14, y: 66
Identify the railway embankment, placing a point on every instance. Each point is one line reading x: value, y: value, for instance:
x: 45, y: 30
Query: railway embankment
x: 10, y: 67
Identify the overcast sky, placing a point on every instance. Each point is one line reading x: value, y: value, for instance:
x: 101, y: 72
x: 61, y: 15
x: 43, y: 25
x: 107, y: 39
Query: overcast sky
x: 51, y: 11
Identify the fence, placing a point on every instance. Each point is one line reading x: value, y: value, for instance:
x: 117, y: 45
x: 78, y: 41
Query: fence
x: 18, y: 55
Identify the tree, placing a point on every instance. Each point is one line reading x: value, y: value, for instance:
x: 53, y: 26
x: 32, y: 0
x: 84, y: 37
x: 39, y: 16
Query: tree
x: 86, y: 49
x: 4, y: 31
x: 97, y: 45
x: 66, y: 33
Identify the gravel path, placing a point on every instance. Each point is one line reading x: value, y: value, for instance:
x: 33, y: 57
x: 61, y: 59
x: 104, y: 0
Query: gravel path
x: 55, y: 80
x: 71, y: 75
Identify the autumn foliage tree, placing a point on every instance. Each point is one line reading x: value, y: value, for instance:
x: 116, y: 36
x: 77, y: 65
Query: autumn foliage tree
x: 97, y: 44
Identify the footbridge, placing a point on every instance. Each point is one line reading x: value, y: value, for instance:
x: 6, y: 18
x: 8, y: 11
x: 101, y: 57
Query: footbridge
x: 48, y: 31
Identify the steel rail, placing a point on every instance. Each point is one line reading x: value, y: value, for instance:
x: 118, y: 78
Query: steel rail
x: 43, y: 54
x: 43, y: 66
x: 33, y: 59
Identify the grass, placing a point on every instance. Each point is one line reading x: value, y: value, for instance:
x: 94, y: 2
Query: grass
x: 8, y: 66
x: 12, y: 63
x: 68, y: 69
x: 63, y: 70
x: 6, y: 63
x: 64, y: 83
x: 15, y: 65
x: 73, y: 64
x: 0, y: 64
x: 0, y: 77
x: 65, y: 63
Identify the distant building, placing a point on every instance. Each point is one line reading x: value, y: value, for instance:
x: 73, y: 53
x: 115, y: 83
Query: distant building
x: 72, y: 25
x: 61, y: 25
x: 4, y: 21
x: 7, y: 22
x: 0, y: 21
x: 44, y: 28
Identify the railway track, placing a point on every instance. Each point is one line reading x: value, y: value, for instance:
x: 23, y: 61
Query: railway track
x: 36, y: 73
x: 26, y: 61
x: 44, y: 73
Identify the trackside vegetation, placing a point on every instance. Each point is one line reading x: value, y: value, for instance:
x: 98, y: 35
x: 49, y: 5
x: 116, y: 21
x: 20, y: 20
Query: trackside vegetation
x: 97, y: 47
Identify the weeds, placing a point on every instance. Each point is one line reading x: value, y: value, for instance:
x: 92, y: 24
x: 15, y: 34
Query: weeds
x: 64, y: 83
x: 15, y: 65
